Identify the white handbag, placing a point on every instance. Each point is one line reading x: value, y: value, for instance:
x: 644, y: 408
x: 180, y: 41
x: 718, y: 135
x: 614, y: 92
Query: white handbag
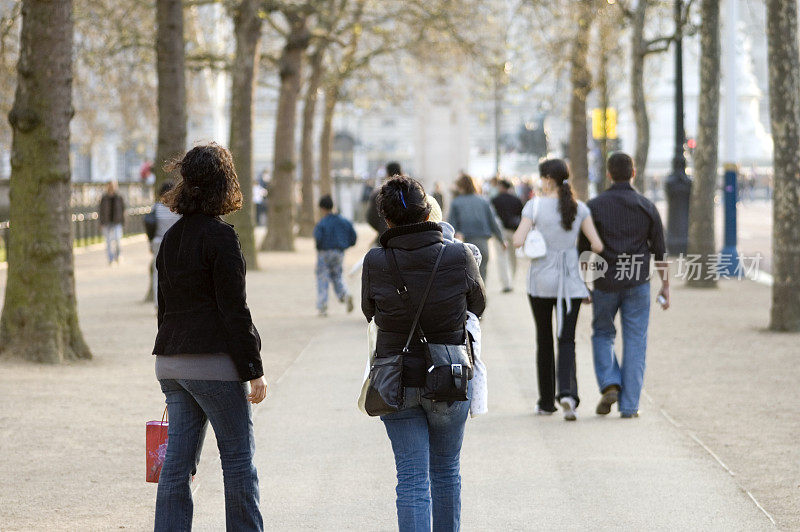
x: 372, y: 340
x: 535, y: 246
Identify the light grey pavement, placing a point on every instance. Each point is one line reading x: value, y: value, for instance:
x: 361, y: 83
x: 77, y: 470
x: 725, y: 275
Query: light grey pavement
x: 72, y: 436
x: 325, y: 466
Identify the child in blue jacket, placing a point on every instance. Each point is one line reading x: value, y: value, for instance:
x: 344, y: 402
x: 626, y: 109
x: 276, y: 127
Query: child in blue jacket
x: 333, y: 235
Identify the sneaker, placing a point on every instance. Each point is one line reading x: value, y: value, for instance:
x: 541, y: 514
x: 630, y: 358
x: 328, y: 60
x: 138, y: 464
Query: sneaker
x: 348, y: 303
x: 609, y: 397
x: 568, y: 406
x: 628, y: 415
x: 540, y: 412
x: 323, y: 312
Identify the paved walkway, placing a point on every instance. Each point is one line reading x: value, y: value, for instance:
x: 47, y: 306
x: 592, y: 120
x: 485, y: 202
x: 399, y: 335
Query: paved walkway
x: 324, y: 465
x: 78, y: 430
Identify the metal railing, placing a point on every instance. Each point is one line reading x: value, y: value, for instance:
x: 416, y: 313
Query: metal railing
x: 86, y: 228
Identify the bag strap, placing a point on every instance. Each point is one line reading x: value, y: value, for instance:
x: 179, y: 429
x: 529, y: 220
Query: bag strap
x: 535, y: 209
x: 402, y: 290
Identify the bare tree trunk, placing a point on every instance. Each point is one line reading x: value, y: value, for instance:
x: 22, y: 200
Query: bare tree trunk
x: 784, y: 106
x: 307, y: 210
x: 326, y: 138
x: 603, y: 86
x: 170, y: 61
x: 638, y: 100
x: 581, y: 85
x: 701, y: 213
x: 40, y: 318
x: 280, y: 235
x: 247, y: 29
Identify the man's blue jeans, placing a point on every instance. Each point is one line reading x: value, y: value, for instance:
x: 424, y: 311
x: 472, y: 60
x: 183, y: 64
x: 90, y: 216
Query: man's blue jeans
x: 113, y: 234
x: 329, y: 269
x: 633, y: 305
x: 191, y: 404
x: 426, y: 440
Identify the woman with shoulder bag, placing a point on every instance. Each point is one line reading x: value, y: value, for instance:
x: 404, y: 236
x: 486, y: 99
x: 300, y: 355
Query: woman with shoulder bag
x: 554, y: 282
x: 208, y: 350
x: 426, y: 435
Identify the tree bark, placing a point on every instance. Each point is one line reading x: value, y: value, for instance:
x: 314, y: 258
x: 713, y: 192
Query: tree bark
x: 170, y: 62
x: 604, y: 103
x: 581, y: 85
x: 784, y: 106
x: 280, y: 235
x: 307, y: 210
x: 701, y: 213
x: 638, y: 99
x: 247, y: 31
x: 40, y: 318
x: 326, y: 139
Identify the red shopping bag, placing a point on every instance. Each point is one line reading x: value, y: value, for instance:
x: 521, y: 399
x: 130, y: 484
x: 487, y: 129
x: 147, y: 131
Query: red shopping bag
x: 156, y: 446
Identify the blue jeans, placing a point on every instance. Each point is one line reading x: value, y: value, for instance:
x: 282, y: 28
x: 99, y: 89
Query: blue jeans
x: 633, y: 305
x: 113, y: 234
x: 191, y: 404
x: 426, y: 440
x: 329, y: 269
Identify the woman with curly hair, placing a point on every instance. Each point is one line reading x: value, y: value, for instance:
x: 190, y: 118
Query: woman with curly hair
x: 207, y: 349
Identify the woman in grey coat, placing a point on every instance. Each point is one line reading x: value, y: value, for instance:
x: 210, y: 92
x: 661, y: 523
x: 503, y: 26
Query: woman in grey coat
x: 474, y: 219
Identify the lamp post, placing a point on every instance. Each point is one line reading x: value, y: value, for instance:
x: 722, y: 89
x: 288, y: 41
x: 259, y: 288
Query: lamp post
x: 678, y: 186
x: 729, y: 258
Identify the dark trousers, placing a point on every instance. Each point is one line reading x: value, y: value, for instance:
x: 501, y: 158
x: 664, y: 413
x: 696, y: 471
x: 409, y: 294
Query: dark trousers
x: 542, y: 308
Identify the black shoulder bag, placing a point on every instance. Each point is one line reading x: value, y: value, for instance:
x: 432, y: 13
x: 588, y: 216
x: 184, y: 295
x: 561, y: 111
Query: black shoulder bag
x: 385, y: 390
x: 449, y: 367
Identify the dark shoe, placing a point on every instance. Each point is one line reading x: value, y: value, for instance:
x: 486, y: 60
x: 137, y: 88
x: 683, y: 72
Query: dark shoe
x: 628, y: 415
x: 348, y: 302
x: 610, y: 396
x: 507, y: 290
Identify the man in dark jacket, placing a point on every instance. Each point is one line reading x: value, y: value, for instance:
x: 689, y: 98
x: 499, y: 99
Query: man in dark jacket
x: 333, y: 234
x: 630, y: 227
x: 509, y: 209
x: 374, y: 217
x: 111, y: 218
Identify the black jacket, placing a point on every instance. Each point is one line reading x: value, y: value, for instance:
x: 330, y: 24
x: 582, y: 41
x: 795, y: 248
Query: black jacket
x: 112, y: 210
x: 201, y: 295
x: 457, y: 288
x: 509, y: 209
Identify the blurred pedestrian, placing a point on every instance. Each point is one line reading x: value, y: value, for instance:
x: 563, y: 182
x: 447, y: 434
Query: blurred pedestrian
x: 260, y: 202
x: 554, y: 282
x: 112, y: 218
x: 474, y: 220
x: 630, y: 227
x: 207, y: 347
x: 509, y: 209
x: 426, y: 436
x: 333, y: 235
x: 162, y: 218
x: 438, y: 195
x: 374, y: 216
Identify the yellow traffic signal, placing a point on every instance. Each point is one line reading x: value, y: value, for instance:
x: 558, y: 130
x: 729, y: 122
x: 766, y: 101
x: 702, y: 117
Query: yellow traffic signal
x: 610, y: 124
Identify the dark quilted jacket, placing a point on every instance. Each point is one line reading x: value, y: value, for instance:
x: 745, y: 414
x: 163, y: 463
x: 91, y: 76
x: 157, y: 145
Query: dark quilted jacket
x: 457, y: 288
x: 201, y: 295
